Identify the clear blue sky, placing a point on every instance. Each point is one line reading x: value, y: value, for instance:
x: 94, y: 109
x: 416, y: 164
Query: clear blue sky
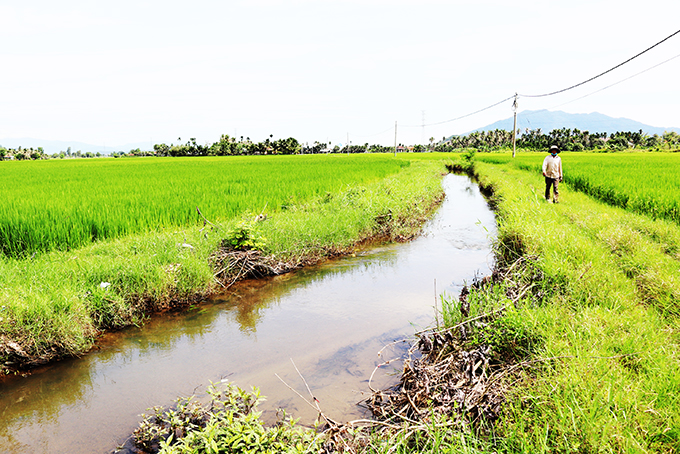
x: 111, y: 73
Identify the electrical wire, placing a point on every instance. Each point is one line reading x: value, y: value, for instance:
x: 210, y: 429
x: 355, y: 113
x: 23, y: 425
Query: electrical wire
x: 551, y: 93
x: 458, y: 118
x: 616, y: 83
x: 602, y: 74
x: 609, y: 86
x: 440, y: 122
x: 391, y: 128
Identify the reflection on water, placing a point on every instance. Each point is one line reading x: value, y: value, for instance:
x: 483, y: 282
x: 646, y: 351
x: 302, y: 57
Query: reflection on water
x: 330, y: 319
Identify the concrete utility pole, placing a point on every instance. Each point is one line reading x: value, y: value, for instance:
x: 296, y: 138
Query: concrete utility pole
x: 395, y: 138
x: 514, y: 125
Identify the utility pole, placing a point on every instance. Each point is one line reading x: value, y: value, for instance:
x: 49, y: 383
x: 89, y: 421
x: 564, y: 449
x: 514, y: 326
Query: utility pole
x: 347, y: 144
x: 514, y: 125
x: 395, y: 138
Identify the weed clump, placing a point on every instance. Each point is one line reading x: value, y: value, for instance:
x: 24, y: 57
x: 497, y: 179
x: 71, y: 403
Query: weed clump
x: 243, y: 238
x: 230, y: 422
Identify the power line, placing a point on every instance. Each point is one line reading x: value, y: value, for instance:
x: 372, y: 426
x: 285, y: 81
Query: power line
x: 602, y: 74
x: 391, y: 128
x: 610, y: 85
x: 461, y: 117
x: 423, y: 124
x: 616, y: 83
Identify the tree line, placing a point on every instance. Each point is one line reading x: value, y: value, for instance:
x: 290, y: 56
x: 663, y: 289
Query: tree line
x: 565, y: 138
x: 229, y: 146
x: 23, y: 154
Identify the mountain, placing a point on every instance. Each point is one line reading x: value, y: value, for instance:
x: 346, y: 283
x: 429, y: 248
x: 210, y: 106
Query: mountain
x: 593, y: 122
x: 55, y: 146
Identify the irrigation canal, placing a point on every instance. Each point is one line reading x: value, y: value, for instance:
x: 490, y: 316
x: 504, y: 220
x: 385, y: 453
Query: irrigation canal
x: 331, y: 320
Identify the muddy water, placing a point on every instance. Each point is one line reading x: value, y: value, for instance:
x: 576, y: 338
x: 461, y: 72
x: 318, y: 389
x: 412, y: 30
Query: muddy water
x: 331, y: 320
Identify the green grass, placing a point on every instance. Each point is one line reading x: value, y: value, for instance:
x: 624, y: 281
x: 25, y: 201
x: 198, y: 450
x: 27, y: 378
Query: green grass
x: 609, y: 314
x: 646, y: 183
x: 66, y: 204
x: 54, y: 304
x: 607, y: 322
x: 610, y: 311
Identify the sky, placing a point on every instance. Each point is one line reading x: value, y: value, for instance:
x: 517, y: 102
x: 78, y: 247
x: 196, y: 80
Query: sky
x: 149, y: 71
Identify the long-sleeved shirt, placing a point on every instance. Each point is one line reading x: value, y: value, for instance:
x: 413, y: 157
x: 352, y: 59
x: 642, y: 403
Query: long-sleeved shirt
x: 552, y: 167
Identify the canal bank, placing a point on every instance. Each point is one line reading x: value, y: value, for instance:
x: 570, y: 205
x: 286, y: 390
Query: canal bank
x: 331, y: 319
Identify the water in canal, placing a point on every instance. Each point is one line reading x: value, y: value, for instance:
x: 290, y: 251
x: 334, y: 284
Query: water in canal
x: 330, y: 319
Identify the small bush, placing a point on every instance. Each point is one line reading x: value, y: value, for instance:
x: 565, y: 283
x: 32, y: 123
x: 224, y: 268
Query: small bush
x: 243, y: 238
x: 229, y: 423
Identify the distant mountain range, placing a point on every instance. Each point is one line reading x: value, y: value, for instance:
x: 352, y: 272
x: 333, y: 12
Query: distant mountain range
x: 55, y: 146
x: 592, y: 122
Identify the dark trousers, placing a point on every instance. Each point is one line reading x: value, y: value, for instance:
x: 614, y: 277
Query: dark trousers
x: 554, y: 182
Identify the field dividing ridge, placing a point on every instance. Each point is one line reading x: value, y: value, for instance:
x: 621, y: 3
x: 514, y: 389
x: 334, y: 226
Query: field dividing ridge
x: 610, y: 311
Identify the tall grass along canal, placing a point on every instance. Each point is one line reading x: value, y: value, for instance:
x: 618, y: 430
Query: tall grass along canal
x: 330, y: 319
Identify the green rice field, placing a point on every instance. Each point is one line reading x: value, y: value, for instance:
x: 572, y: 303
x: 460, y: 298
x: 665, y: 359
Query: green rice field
x: 646, y: 183
x: 605, y: 288
x: 60, y: 205
x: 100, y: 244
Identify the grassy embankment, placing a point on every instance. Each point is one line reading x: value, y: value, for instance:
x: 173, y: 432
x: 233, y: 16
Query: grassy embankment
x: 611, y: 304
x: 596, y: 335
x: 599, y: 323
x: 103, y: 243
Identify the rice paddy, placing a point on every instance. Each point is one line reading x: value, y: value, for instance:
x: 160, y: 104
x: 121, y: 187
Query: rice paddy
x: 646, y: 183
x: 60, y: 205
x: 55, y: 302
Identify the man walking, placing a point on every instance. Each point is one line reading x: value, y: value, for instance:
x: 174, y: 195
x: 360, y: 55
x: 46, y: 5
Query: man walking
x: 552, y: 171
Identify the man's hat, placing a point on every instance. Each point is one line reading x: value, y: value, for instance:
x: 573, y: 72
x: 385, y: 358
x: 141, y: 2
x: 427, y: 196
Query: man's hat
x: 554, y: 147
